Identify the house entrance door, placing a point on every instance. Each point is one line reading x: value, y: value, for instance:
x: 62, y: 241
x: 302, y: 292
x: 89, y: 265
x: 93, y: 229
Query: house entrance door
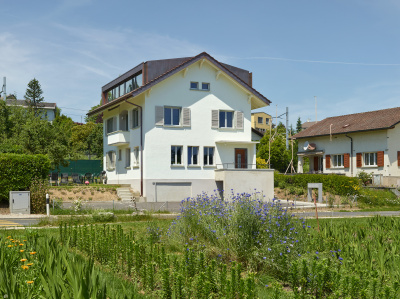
x: 240, y: 157
x: 318, y: 166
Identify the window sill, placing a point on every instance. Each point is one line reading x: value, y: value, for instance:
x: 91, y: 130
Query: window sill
x: 370, y: 166
x: 177, y: 166
x: 110, y: 169
x: 194, y: 166
x: 338, y: 167
x: 135, y: 166
x: 209, y: 166
x: 198, y: 89
x: 127, y: 167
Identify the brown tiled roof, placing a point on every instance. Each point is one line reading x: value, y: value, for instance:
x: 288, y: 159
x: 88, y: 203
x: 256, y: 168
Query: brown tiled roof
x: 307, y: 124
x: 174, y: 71
x: 366, y: 121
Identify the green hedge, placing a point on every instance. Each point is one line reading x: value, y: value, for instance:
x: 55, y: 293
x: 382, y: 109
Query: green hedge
x: 335, y: 184
x: 17, y: 172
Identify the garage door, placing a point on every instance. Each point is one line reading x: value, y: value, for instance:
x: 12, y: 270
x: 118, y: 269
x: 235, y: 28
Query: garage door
x: 173, y: 191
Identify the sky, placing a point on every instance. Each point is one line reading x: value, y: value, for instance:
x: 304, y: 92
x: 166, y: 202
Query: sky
x: 342, y: 55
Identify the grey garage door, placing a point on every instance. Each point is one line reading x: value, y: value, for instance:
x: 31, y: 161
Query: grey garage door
x: 173, y: 191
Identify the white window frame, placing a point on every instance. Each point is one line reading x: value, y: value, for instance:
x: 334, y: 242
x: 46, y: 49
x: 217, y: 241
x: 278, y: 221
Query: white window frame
x: 337, y: 161
x: 226, y: 119
x: 119, y: 155
x: 172, y: 116
x: 197, y: 88
x: 206, y: 156
x: 176, y: 156
x: 190, y: 156
x: 113, y: 123
x: 135, y: 118
x: 128, y: 157
x: 135, y: 162
x: 205, y: 89
x: 367, y: 159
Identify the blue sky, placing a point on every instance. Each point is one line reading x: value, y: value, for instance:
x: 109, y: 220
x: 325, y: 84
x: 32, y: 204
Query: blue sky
x: 344, y: 52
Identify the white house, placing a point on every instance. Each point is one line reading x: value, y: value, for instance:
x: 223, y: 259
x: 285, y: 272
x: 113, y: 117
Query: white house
x: 348, y: 144
x: 175, y: 128
x: 46, y: 110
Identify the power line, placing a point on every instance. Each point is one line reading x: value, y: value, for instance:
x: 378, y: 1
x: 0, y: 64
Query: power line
x: 73, y: 108
x: 316, y: 61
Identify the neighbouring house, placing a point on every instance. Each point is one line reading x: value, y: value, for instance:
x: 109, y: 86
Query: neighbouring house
x: 348, y: 144
x: 261, y: 121
x: 47, y: 110
x: 175, y: 128
x: 307, y: 124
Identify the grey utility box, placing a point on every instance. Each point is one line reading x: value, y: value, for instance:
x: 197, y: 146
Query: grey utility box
x: 20, y: 202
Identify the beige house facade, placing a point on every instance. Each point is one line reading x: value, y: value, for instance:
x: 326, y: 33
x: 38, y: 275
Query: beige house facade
x: 349, y: 144
x: 261, y: 121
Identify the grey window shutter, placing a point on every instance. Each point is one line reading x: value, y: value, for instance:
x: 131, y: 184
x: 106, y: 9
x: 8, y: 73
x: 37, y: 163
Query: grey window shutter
x: 214, y: 119
x: 186, y: 117
x: 159, y: 115
x: 239, y: 120
x: 113, y: 159
x: 108, y: 160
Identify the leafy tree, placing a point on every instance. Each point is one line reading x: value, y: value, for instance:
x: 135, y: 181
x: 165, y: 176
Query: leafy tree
x: 88, y: 138
x: 98, y: 119
x: 298, y: 125
x: 33, y: 95
x: 280, y: 156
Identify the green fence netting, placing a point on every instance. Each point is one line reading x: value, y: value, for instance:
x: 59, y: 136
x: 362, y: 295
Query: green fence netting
x: 81, y: 167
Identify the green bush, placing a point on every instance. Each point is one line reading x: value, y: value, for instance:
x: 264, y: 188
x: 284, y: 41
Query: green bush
x: 17, y: 172
x: 336, y: 184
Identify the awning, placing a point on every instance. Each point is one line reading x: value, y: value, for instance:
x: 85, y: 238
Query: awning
x: 311, y: 153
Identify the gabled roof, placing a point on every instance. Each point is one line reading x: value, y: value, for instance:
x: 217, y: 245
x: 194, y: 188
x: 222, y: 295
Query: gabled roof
x: 22, y: 103
x: 225, y: 68
x: 307, y: 124
x: 359, y: 122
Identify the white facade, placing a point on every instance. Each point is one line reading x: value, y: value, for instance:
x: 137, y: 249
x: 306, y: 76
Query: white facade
x: 164, y: 178
x: 367, y: 147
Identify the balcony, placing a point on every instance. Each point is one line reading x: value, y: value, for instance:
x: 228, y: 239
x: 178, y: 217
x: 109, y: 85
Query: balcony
x: 118, y: 138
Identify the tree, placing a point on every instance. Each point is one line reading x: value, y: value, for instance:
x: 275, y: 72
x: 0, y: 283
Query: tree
x: 298, y: 125
x: 98, y: 118
x: 280, y: 156
x: 33, y: 95
x: 87, y: 139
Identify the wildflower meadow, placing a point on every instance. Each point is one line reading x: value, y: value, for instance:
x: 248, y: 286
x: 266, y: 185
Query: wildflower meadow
x: 240, y: 247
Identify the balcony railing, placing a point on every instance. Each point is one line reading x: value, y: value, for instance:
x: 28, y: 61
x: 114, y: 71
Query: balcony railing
x: 242, y: 166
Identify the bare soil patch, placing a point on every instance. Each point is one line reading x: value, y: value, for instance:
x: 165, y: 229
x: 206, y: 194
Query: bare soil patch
x: 85, y: 193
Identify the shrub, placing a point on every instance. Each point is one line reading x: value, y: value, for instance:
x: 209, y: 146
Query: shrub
x: 261, y: 163
x: 335, y: 184
x: 38, y: 191
x: 364, y: 177
x: 17, y: 172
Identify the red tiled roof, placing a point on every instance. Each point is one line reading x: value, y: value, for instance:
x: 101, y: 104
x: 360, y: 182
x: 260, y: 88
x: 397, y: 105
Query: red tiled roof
x: 172, y: 72
x: 366, y: 121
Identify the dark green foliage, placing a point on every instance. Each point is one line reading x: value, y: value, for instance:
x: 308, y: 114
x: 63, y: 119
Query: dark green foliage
x: 18, y: 171
x: 298, y: 125
x: 336, y: 184
x: 33, y: 95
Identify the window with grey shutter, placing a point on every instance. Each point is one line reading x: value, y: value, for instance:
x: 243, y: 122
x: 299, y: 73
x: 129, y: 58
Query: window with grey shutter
x: 186, y: 117
x: 214, y: 119
x: 239, y: 120
x: 159, y: 115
